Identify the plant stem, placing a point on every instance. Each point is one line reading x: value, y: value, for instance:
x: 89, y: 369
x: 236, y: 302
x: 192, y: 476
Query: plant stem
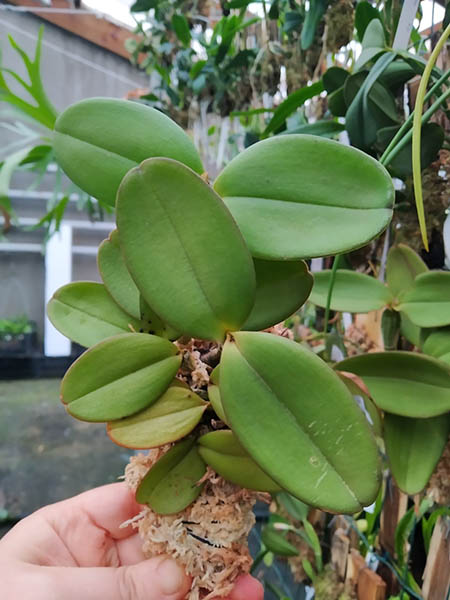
x: 385, y: 157
x: 417, y: 131
x: 385, y: 160
x: 330, y: 292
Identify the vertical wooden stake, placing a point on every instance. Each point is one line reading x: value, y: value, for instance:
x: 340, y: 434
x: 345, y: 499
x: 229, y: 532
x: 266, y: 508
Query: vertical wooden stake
x: 436, y: 577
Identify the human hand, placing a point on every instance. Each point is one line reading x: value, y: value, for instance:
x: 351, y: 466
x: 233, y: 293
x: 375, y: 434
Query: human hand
x: 75, y: 550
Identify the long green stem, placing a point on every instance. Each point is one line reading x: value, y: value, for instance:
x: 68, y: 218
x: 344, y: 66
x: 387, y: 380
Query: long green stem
x: 385, y: 157
x: 330, y: 292
x: 417, y: 131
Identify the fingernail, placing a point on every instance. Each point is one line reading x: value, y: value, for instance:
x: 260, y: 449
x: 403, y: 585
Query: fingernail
x: 172, y: 576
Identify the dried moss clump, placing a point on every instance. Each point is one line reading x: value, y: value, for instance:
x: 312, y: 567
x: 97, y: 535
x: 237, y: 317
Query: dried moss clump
x: 209, y: 537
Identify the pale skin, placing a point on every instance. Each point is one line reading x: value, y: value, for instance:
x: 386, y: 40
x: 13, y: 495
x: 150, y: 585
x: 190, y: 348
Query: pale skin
x: 75, y: 550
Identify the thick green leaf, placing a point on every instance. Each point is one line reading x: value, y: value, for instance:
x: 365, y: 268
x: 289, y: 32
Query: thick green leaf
x: 364, y: 14
x: 322, y: 128
x: 298, y: 421
x: 414, y: 447
x: 402, y: 267
x: 216, y: 402
x: 222, y: 451
x: 427, y: 304
x: 119, y: 377
x: 184, y: 250
x: 85, y: 312
x: 300, y: 196
x: 281, y: 289
x: 403, y: 383
x: 410, y: 331
x: 97, y: 141
x: 381, y: 102
x: 116, y: 276
x: 171, y: 484
x: 292, y: 102
x: 373, y: 43
x: 397, y: 74
x: 173, y: 416
x: 181, y: 28
x: 336, y: 102
x: 365, y: 115
x: 431, y: 142
x: 352, y: 292
x: 366, y: 404
x: 313, y: 16
x: 277, y: 543
x: 437, y: 344
x: 334, y: 78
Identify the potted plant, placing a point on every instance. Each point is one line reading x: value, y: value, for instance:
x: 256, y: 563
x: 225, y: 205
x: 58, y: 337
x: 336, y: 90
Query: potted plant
x: 17, y: 335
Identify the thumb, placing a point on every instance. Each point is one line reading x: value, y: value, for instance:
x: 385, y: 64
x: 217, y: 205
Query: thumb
x: 159, y: 578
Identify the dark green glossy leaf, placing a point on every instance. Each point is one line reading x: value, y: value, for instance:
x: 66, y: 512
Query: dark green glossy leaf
x: 364, y: 14
x: 299, y: 196
x: 437, y: 344
x: 431, y: 142
x: 222, y: 451
x: 334, y: 78
x: 119, y: 377
x: 373, y: 43
x: 292, y: 102
x: 352, y: 292
x: 322, y: 128
x: 298, y: 422
x: 181, y: 28
x: 172, y: 483
x: 97, y: 141
x: 116, y: 276
x: 173, y: 416
x: 397, y: 74
x: 372, y: 107
x: 85, y: 312
x: 403, y: 383
x: 281, y: 289
x: 313, y: 16
x: 277, y: 543
x: 336, y: 103
x: 143, y: 5
x: 402, y: 267
x: 199, y: 277
x: 414, y: 447
x: 427, y: 304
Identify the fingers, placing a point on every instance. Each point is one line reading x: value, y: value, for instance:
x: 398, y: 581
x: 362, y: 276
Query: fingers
x: 158, y: 578
x: 247, y: 588
x: 107, y: 507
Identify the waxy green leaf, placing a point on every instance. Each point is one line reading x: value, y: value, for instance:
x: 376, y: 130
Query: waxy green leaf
x: 171, y: 417
x: 414, y: 447
x: 222, y: 451
x: 298, y: 421
x: 85, y: 312
x: 403, y: 383
x: 427, y: 304
x: 172, y: 483
x: 278, y: 190
x: 116, y: 276
x: 97, y: 141
x: 281, y: 289
x: 402, y: 267
x: 216, y: 402
x: 277, y: 543
x: 437, y: 344
x: 196, y: 272
x: 352, y: 292
x: 119, y: 376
